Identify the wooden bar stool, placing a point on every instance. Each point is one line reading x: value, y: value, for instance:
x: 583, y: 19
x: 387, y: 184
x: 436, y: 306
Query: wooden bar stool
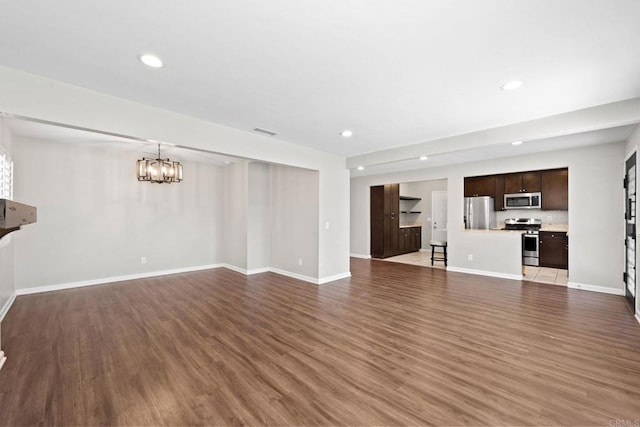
x: 437, y: 244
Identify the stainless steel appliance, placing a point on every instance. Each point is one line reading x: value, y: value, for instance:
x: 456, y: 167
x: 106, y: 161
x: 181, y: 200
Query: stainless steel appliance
x: 479, y: 213
x: 530, y: 238
x: 523, y: 201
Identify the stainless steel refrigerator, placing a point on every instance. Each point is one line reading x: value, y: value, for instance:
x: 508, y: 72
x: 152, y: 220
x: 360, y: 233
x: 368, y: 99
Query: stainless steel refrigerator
x: 479, y: 213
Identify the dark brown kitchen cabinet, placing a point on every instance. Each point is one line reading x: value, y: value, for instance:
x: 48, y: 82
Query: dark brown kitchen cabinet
x: 385, y: 220
x: 522, y: 182
x: 554, y: 249
x: 480, y: 186
x: 410, y: 239
x: 555, y: 189
x: 498, y: 202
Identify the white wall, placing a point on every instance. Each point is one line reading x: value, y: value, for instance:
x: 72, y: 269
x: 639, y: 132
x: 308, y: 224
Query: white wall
x: 294, y: 220
x: 595, y: 203
x: 7, y: 278
x: 95, y: 220
x: 37, y: 97
x: 259, y: 217
x: 236, y: 199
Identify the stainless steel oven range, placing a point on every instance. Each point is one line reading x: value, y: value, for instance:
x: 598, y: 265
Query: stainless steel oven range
x: 530, y: 238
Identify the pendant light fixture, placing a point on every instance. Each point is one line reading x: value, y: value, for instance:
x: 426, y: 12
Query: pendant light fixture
x: 159, y: 170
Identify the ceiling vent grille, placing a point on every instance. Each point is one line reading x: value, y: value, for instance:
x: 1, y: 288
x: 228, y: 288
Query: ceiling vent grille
x: 264, y: 131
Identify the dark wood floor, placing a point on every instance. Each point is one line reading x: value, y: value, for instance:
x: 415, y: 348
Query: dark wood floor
x: 394, y: 345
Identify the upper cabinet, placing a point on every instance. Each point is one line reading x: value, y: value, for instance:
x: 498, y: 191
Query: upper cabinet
x: 555, y: 189
x: 522, y: 182
x: 553, y: 184
x: 480, y: 186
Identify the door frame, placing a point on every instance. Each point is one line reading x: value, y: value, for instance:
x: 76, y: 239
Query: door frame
x: 624, y: 167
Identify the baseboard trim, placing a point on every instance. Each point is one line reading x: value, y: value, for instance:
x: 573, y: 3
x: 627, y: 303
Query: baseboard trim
x: 637, y: 316
x: 286, y: 273
x: 7, y: 305
x: 333, y: 278
x: 3, y: 358
x: 295, y: 275
x: 106, y: 280
x: 594, y: 288
x: 362, y: 256
x: 485, y: 273
x: 80, y: 284
x: 234, y: 268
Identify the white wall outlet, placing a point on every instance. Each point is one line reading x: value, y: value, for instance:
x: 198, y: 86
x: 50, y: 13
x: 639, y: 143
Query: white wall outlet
x: 470, y: 257
x: 327, y: 225
x: 143, y: 260
x: 429, y: 219
x: 549, y: 218
x: 299, y: 261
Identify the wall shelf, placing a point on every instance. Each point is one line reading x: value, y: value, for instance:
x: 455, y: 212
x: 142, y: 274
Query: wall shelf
x: 409, y: 198
x: 411, y: 212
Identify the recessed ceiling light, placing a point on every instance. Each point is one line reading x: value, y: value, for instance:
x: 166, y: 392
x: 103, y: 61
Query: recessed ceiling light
x: 346, y: 133
x: 150, y: 60
x: 423, y: 157
x: 516, y: 143
x: 513, y: 85
x: 360, y: 168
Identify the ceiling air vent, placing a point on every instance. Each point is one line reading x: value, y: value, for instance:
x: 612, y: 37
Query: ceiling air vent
x: 264, y: 131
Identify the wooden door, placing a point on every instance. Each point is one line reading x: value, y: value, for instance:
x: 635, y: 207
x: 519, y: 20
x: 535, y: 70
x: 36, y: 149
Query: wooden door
x: 555, y: 189
x: 392, y: 219
x: 498, y: 202
x: 512, y: 183
x: 530, y: 182
x: 554, y: 249
x: 377, y: 221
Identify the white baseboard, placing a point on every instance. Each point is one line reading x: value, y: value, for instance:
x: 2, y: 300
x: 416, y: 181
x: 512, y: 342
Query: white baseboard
x: 258, y: 271
x: 333, y: 278
x: 594, y: 288
x: 637, y: 316
x: 485, y: 273
x: 298, y: 276
x: 3, y: 358
x: 234, y: 268
x: 7, y: 305
x: 61, y: 286
x: 360, y: 256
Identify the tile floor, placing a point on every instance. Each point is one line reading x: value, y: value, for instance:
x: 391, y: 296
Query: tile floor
x: 422, y: 258
x: 553, y: 276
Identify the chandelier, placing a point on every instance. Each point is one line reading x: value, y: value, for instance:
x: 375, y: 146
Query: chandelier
x: 159, y: 170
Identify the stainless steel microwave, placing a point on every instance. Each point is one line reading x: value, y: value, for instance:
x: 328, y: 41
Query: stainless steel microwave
x: 523, y: 201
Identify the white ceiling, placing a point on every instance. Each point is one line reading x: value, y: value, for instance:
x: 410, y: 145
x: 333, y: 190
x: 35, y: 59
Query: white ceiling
x: 396, y: 72
x: 60, y: 134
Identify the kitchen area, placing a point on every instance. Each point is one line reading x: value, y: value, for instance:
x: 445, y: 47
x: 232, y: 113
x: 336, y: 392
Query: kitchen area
x: 531, y: 204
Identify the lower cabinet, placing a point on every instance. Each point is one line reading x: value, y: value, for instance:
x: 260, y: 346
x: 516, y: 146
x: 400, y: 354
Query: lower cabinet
x: 410, y: 239
x: 554, y: 249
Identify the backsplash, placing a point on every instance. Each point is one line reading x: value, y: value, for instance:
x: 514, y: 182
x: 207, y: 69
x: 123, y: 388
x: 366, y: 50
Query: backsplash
x: 557, y: 217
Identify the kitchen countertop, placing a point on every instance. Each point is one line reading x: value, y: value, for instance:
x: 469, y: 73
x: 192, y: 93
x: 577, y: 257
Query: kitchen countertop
x: 560, y: 228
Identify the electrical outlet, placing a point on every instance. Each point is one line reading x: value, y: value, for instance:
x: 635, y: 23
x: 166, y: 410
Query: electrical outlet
x: 549, y: 218
x: 299, y: 261
x: 470, y: 257
x: 327, y: 225
x: 143, y: 260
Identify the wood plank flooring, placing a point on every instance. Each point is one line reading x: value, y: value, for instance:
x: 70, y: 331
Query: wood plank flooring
x: 393, y: 345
